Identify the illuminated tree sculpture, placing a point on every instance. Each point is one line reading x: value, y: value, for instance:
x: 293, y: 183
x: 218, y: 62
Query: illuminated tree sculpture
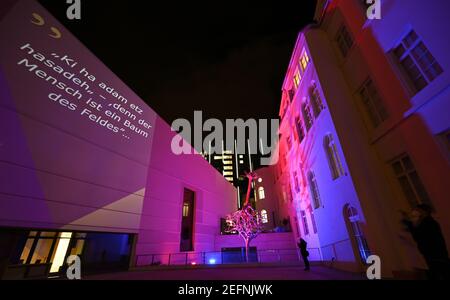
x: 246, y: 221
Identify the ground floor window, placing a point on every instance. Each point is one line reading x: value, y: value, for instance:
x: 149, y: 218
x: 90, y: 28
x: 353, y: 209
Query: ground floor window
x: 357, y: 234
x: 44, y: 253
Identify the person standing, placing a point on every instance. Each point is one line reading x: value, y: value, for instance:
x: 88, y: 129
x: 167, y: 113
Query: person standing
x: 427, y: 234
x: 304, y: 252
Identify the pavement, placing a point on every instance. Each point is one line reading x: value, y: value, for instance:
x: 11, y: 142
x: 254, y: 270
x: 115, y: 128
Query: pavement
x: 230, y: 272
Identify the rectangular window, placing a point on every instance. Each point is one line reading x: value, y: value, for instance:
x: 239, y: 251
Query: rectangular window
x: 416, y: 61
x: 315, y: 100
x: 187, y: 222
x: 313, y: 220
x: 297, y: 187
x: 299, y: 127
x: 291, y: 94
x: 314, y: 189
x: 334, y: 161
x: 344, y: 40
x: 373, y: 104
x: 304, y: 222
x: 409, y: 181
x: 297, y: 78
x: 290, y: 197
x: 307, y: 119
x: 304, y: 61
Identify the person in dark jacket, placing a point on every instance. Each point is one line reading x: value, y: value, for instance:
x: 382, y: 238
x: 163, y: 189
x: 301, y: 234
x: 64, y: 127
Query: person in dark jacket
x: 302, y: 245
x: 427, y: 234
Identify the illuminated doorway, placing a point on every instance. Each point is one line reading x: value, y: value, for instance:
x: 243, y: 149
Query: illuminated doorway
x: 187, y: 221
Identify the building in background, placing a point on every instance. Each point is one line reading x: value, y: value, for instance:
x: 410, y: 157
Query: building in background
x: 233, y: 166
x: 365, y: 131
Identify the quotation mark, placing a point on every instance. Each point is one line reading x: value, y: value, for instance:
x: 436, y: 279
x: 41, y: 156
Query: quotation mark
x: 39, y: 21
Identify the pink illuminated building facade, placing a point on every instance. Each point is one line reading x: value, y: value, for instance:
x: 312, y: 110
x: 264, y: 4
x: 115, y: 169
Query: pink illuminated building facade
x: 71, y: 184
x: 365, y: 132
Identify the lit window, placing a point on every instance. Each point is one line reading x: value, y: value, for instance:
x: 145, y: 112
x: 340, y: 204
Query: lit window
x: 344, y: 41
x: 228, y: 167
x: 410, y: 182
x: 185, y: 209
x: 416, y: 61
x: 304, y: 60
x: 217, y: 157
x: 297, y: 78
x: 314, y: 189
x: 226, y: 173
x: 261, y: 193
x: 241, y: 161
x: 264, y: 217
x: 61, y: 249
x: 227, y: 162
x: 333, y: 157
x: 229, y: 178
x: 241, y: 156
x: 372, y: 103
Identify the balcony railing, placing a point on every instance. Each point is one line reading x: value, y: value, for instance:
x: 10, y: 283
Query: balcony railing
x: 218, y: 257
x: 324, y: 253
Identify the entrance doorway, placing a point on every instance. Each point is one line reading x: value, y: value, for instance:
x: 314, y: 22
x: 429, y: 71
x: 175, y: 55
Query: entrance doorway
x: 187, y: 221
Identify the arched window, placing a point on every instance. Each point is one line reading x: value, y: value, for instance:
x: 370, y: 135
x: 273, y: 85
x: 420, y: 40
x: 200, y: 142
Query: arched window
x: 352, y: 218
x: 333, y: 157
x: 314, y: 189
x: 261, y: 194
x: 316, y: 101
x: 307, y: 119
x: 264, y: 217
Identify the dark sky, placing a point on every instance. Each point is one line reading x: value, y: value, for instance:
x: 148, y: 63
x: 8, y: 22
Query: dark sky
x: 226, y: 58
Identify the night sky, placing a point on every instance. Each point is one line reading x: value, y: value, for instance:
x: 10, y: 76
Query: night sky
x: 226, y: 58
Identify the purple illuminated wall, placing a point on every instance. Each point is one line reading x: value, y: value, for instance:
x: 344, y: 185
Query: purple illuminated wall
x: 62, y: 168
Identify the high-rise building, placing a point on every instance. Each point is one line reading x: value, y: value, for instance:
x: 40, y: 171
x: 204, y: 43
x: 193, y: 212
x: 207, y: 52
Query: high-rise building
x: 233, y: 166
